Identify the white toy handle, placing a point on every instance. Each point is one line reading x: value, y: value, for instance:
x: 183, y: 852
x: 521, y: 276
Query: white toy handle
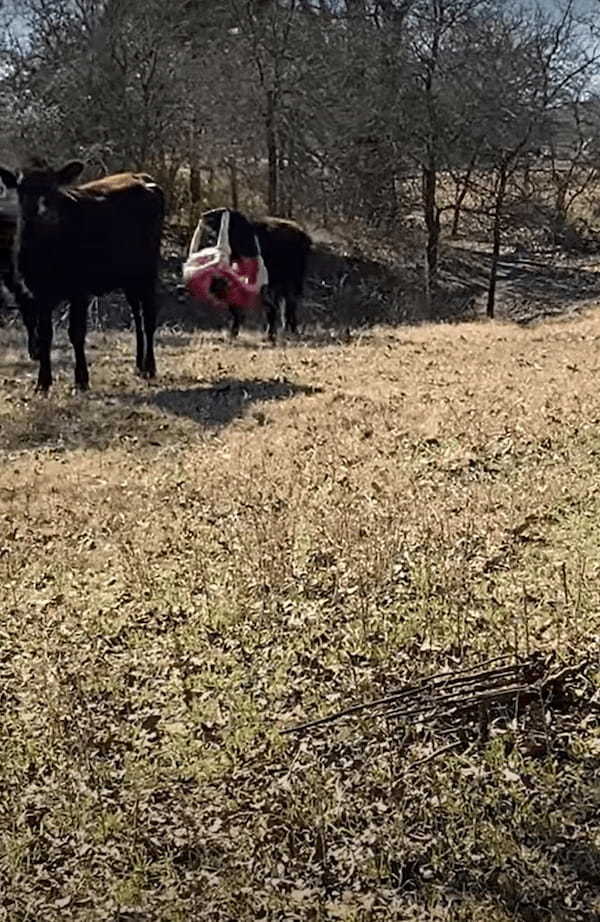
x: 195, y: 239
x: 222, y: 239
x: 263, y: 276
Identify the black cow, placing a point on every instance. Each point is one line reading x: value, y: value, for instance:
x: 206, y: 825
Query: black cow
x: 76, y: 242
x: 8, y: 224
x: 284, y: 247
x: 8, y: 279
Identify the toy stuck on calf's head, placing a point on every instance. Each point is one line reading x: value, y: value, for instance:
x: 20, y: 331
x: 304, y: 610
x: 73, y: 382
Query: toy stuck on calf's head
x: 218, y: 288
x: 211, y: 276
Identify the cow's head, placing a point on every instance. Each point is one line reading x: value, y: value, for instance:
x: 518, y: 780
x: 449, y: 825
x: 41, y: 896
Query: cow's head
x: 38, y: 188
x: 241, y: 232
x: 218, y: 287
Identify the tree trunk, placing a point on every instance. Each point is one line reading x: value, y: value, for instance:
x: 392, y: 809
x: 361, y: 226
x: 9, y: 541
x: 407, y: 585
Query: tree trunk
x: 560, y: 212
x: 426, y: 286
x: 527, y: 177
x: 324, y: 202
x: 457, y: 211
x: 461, y: 193
x: 233, y: 184
x: 195, y: 185
x: 287, y: 175
x: 458, y: 205
x: 496, y: 237
x: 272, y: 155
x: 432, y: 222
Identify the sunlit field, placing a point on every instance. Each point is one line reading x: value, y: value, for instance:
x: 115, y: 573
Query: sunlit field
x: 266, y: 536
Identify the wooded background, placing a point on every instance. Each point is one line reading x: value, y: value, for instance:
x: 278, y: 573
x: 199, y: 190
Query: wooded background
x: 392, y: 120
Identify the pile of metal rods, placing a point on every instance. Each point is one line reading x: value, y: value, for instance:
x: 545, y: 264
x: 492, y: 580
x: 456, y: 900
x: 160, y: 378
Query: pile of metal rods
x: 450, y: 694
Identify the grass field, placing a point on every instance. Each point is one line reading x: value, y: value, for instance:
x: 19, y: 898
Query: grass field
x: 263, y: 537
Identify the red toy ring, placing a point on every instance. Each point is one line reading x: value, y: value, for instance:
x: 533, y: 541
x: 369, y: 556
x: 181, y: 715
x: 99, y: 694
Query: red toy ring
x: 243, y: 279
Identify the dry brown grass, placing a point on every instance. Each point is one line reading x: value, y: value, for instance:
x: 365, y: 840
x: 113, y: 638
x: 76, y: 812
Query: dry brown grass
x: 262, y: 536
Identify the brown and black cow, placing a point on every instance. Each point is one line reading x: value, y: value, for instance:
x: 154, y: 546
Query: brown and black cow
x: 284, y: 247
x: 8, y: 277
x: 75, y: 242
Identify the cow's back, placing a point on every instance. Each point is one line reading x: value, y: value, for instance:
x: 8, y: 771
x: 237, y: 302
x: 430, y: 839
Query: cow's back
x: 285, y: 247
x: 109, y: 237
x: 127, y: 208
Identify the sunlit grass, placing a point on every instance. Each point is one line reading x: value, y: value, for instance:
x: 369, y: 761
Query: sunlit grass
x: 264, y: 536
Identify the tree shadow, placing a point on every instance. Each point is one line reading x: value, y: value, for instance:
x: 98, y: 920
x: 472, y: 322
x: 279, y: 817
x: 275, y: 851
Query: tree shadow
x: 307, y: 337
x: 555, y: 877
x: 533, y: 898
x: 350, y: 291
x: 528, y: 288
x: 342, y: 290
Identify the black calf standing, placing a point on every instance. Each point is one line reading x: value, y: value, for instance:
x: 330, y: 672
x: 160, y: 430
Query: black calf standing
x: 76, y: 242
x: 284, y: 247
x: 8, y: 224
x: 8, y: 227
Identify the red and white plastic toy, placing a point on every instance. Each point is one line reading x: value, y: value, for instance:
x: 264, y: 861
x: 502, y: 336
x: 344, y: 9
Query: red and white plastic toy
x: 244, y: 278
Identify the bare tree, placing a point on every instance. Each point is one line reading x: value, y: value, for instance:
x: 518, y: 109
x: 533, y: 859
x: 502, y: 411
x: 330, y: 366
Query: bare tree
x: 542, y: 66
x: 352, y: 111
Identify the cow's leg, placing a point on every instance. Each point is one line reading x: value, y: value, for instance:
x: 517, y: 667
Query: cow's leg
x: 45, y: 331
x: 9, y: 280
x: 78, y: 309
x: 271, y: 303
x: 291, y: 312
x: 134, y: 302
x: 27, y: 309
x: 29, y: 313
x: 236, y: 321
x: 3, y: 287
x: 148, y: 299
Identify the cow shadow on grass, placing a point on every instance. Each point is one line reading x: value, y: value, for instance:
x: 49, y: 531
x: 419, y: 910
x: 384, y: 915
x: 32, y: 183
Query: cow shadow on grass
x: 221, y: 402
x: 102, y: 419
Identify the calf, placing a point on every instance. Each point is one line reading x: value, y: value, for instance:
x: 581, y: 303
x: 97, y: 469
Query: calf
x: 7, y: 233
x: 284, y: 247
x: 8, y: 225
x: 76, y: 242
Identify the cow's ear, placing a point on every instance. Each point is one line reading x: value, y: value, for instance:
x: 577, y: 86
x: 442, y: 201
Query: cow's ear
x: 69, y: 172
x: 8, y: 178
